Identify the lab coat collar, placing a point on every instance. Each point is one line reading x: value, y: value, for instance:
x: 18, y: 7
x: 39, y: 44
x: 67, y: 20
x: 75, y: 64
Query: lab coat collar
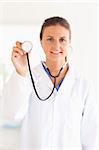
x: 40, y: 75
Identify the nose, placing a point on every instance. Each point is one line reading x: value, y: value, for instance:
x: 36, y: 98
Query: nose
x: 56, y: 45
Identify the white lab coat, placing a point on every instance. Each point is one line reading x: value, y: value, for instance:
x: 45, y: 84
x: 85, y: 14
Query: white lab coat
x: 66, y: 121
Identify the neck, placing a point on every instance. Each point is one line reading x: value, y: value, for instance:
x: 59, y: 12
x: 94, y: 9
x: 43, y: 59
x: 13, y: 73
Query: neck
x: 54, y: 67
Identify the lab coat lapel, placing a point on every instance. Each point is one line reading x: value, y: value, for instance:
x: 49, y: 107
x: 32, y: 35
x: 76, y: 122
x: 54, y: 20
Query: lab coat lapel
x: 67, y: 84
x: 42, y: 77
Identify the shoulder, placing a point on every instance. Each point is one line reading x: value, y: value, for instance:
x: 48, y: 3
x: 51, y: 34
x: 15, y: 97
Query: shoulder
x: 38, y: 67
x: 79, y: 77
x: 82, y: 83
x: 38, y: 71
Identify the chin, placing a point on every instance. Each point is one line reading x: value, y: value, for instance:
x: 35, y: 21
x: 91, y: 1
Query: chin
x: 57, y: 60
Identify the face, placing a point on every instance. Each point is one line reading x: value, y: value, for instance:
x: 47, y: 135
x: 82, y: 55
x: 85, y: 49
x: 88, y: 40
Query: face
x: 55, y: 42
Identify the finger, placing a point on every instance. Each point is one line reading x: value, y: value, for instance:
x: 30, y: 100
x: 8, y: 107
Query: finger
x: 18, y: 50
x: 15, y: 55
x: 18, y: 44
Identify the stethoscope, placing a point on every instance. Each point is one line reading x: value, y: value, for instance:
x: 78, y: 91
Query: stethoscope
x: 27, y: 47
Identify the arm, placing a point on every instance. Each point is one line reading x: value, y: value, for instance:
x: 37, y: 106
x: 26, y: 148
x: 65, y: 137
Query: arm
x: 15, y: 98
x: 16, y: 91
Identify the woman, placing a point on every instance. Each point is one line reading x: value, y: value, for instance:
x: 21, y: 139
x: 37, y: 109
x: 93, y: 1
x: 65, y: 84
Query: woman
x: 65, y: 120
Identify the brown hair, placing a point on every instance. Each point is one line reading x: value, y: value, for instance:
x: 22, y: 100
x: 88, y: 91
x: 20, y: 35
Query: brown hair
x: 55, y: 21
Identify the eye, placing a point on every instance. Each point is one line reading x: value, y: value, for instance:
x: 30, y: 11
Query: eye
x: 62, y: 40
x: 49, y: 39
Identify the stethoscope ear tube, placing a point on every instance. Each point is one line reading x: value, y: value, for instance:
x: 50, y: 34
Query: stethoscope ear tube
x: 33, y: 84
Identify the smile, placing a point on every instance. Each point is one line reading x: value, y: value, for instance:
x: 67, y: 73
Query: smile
x: 55, y: 52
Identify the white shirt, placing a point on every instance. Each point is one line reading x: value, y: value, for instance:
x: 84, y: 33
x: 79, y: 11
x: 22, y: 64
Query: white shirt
x: 66, y: 121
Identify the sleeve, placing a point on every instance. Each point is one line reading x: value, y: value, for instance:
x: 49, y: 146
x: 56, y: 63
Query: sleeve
x: 89, y: 124
x: 15, y: 99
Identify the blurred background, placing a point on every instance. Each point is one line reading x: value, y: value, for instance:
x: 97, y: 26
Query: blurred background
x: 22, y: 21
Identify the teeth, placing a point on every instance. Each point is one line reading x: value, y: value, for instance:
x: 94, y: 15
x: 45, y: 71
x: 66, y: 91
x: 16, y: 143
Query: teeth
x: 55, y: 52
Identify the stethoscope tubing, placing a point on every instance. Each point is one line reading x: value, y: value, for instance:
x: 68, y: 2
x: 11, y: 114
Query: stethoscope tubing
x: 33, y: 83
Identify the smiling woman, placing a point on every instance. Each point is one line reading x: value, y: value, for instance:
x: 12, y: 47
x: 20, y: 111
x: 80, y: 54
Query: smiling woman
x: 68, y: 117
x: 55, y: 43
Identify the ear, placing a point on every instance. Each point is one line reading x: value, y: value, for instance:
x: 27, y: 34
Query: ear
x: 69, y: 45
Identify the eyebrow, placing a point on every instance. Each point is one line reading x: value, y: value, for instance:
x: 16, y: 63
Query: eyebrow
x: 60, y: 37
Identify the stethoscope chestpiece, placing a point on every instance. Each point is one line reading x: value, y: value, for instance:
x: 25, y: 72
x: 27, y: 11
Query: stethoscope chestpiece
x: 27, y: 46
